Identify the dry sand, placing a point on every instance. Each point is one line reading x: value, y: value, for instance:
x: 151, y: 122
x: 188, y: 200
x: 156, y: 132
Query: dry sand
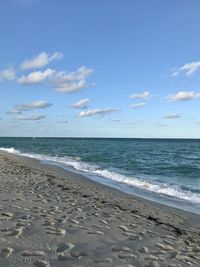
x: 49, y: 217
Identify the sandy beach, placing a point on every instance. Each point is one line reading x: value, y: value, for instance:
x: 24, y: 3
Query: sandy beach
x: 50, y: 217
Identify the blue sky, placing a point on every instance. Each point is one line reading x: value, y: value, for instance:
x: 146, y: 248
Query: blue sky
x: 88, y: 68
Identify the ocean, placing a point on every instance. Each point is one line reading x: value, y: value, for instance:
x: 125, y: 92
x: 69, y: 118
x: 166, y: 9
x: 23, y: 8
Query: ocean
x: 163, y: 170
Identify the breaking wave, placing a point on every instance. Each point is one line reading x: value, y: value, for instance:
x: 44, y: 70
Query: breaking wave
x: 160, y: 188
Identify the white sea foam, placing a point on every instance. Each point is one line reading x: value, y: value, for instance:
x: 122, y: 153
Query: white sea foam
x: 160, y: 188
x: 10, y: 150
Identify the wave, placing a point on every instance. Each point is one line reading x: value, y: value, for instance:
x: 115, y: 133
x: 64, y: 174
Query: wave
x: 77, y: 164
x: 10, y: 150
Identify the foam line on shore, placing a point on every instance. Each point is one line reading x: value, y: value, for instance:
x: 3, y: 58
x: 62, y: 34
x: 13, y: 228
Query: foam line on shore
x: 155, y: 187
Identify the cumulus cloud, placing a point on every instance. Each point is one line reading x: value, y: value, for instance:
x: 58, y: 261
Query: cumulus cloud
x: 40, y: 60
x: 188, y: 69
x: 81, y: 74
x: 138, y: 105
x: 36, y: 77
x: 83, y: 103
x: 7, y: 74
x: 71, y: 87
x: 172, y: 116
x: 94, y: 112
x: 144, y: 95
x: 30, y: 118
x: 40, y: 104
x: 183, y: 96
x: 68, y: 82
x: 61, y: 81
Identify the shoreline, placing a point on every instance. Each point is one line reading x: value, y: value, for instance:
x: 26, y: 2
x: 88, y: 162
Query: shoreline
x: 152, y: 197
x: 80, y: 177
x: 66, y: 218
x: 140, y: 192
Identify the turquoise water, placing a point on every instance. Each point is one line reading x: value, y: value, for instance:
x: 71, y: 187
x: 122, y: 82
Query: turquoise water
x: 164, y: 170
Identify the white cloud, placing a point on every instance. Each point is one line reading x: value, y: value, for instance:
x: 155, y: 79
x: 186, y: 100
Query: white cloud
x: 40, y: 60
x: 172, y: 116
x: 68, y: 82
x: 83, y: 103
x: 183, y: 96
x: 71, y: 87
x: 14, y: 111
x: 188, y: 69
x: 36, y: 77
x: 144, y: 95
x: 138, y: 105
x: 30, y: 118
x: 62, y: 81
x: 40, y: 104
x: 81, y: 74
x: 93, y: 112
x: 7, y: 75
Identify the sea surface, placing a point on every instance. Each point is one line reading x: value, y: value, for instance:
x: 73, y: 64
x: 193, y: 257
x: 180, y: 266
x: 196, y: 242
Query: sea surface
x: 163, y: 170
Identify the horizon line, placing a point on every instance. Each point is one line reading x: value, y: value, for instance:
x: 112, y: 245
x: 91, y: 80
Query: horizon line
x: 76, y: 137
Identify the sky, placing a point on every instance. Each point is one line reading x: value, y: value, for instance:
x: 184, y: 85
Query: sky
x: 89, y: 68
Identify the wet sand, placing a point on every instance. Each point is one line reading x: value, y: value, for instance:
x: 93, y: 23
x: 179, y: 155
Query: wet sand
x: 50, y: 217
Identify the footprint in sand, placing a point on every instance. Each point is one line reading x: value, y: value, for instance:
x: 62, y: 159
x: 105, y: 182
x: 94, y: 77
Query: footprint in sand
x: 127, y: 256
x: 78, y: 254
x: 103, y: 221
x: 41, y: 264
x: 105, y: 260
x: 54, y: 231
x: 22, y: 224
x: 119, y: 249
x: 16, y: 232
x: 63, y: 247
x: 124, y: 228
x: 63, y: 250
x: 31, y: 253
x: 73, y: 221
x: 6, y: 216
x: 144, y: 250
x: 25, y: 217
x: 165, y: 247
x: 5, y: 252
x: 48, y: 223
x: 93, y: 232
x: 63, y: 257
